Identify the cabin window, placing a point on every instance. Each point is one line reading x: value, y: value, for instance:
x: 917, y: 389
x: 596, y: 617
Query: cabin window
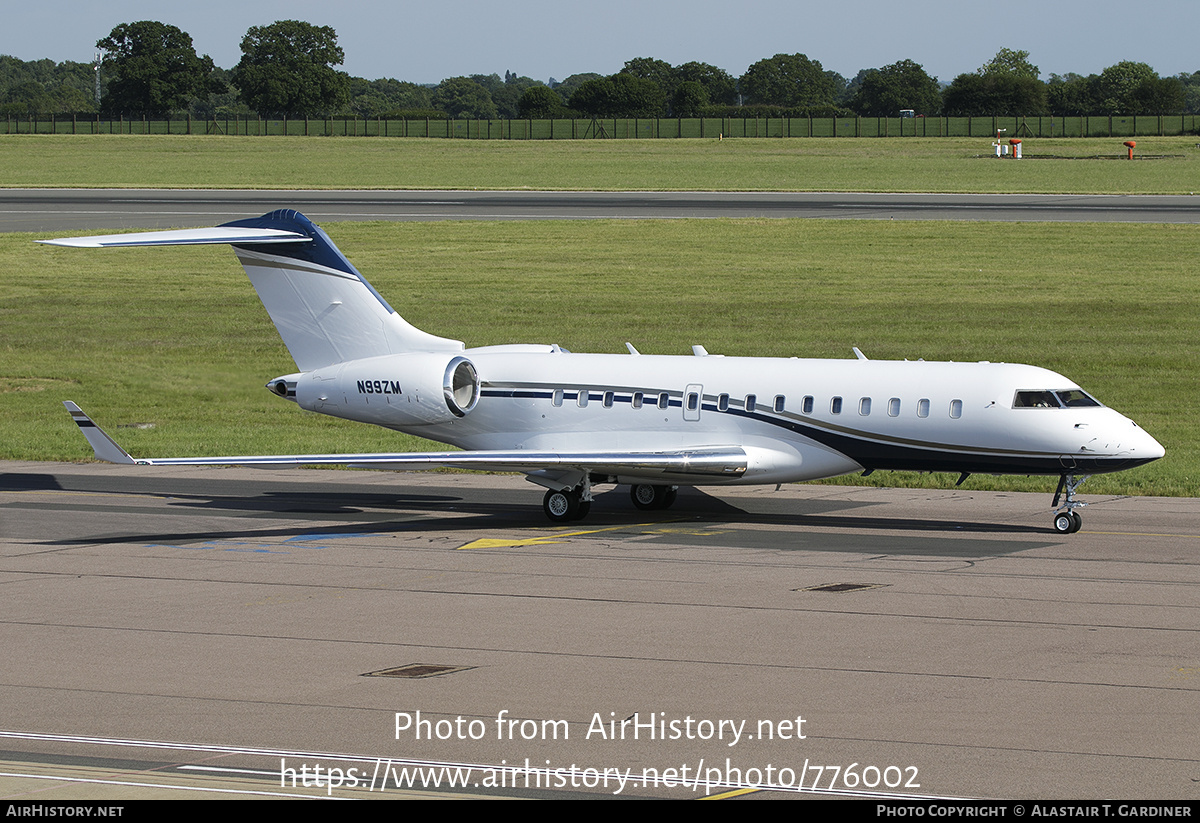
x: 751, y: 402
x: 582, y: 399
x: 608, y: 399
x: 637, y: 400
x: 807, y: 405
x: 835, y: 405
x: 693, y: 401
x: 664, y: 400
x: 923, y: 407
x: 894, y: 407
x: 780, y: 402
x: 956, y: 409
x: 864, y: 406
x: 557, y: 399
x: 722, y: 402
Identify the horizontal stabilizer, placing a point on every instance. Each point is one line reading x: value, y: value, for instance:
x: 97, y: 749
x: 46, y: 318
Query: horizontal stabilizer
x: 184, y: 237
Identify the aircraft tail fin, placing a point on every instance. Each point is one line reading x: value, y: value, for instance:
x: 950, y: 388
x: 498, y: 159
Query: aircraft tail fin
x: 325, y: 311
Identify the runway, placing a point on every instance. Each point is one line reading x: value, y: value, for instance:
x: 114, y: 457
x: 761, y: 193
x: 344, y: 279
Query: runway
x: 52, y: 210
x: 237, y: 614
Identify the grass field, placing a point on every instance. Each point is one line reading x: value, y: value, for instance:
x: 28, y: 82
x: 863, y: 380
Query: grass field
x: 793, y: 164
x: 176, y: 339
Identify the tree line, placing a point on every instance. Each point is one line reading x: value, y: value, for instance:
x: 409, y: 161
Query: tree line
x: 289, y: 68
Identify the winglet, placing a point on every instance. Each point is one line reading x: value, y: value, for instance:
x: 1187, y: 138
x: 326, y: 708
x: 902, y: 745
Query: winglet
x: 105, y: 447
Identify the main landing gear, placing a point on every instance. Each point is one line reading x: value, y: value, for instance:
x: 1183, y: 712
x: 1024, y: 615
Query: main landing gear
x: 649, y: 498
x: 1066, y: 519
x: 565, y: 505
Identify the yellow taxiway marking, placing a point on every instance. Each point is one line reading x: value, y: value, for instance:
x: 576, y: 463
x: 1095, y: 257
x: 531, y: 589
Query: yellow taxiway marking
x: 500, y: 542
x: 727, y: 795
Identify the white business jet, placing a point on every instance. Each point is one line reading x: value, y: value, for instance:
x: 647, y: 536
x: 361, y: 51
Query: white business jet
x: 570, y: 422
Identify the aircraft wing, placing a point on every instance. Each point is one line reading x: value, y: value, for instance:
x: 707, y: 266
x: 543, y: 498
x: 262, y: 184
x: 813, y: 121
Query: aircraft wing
x: 684, y: 465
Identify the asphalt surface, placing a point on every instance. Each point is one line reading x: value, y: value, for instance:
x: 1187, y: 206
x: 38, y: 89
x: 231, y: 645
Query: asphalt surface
x: 54, y: 210
x: 178, y: 633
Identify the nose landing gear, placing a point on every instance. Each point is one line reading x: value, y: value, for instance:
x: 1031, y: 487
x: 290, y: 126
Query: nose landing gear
x: 1066, y: 519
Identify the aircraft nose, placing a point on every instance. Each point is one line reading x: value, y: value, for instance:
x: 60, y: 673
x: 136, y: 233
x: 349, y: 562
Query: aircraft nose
x: 1140, y: 444
x: 1151, y: 448
x: 1125, y: 442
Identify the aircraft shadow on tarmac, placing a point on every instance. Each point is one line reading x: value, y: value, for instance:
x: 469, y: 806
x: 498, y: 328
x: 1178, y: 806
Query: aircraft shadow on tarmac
x: 704, y: 517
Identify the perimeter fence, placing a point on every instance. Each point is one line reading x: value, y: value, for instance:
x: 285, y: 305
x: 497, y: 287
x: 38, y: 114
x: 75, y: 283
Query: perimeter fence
x: 622, y: 128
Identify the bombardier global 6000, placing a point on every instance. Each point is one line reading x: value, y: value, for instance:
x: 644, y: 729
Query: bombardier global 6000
x: 570, y: 422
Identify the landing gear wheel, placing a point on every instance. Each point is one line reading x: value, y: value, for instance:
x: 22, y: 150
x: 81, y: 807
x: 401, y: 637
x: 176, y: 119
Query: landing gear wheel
x: 562, y: 506
x: 669, y: 497
x: 647, y: 497
x: 1067, y: 522
x: 585, y: 506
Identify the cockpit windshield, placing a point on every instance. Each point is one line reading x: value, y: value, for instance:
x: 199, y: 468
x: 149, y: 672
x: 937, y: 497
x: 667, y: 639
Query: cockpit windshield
x: 1047, y: 399
x: 1076, y: 398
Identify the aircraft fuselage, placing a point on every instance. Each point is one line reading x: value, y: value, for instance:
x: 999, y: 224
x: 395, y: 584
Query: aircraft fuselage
x: 797, y: 419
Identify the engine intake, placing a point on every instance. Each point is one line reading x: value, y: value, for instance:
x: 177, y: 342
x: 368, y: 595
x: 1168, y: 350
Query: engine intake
x: 461, y: 386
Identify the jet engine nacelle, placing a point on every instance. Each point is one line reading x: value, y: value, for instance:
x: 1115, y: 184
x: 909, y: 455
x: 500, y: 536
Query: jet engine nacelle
x: 397, y: 390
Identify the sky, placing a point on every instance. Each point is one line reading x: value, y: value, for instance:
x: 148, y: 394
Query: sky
x: 429, y: 41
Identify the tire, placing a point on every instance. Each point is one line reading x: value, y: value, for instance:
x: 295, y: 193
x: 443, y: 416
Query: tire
x: 1075, y: 516
x: 561, y: 506
x: 647, y: 497
x: 1064, y: 523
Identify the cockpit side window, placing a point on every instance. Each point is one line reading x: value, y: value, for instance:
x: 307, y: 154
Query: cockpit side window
x: 1035, y: 400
